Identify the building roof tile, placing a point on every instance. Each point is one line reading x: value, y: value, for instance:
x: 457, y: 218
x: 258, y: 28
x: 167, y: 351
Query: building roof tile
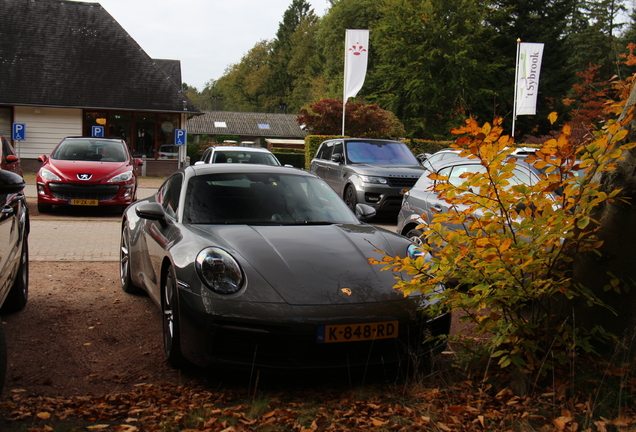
x: 75, y: 54
x: 246, y: 124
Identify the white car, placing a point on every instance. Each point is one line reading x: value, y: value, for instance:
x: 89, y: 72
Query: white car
x: 168, y: 151
x: 238, y: 154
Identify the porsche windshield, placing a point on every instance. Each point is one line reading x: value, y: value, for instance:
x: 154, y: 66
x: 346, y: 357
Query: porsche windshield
x: 263, y: 199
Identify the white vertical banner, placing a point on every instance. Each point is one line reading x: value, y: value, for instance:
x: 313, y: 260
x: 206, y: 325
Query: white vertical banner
x: 356, y: 56
x: 527, y: 82
x: 355, y: 69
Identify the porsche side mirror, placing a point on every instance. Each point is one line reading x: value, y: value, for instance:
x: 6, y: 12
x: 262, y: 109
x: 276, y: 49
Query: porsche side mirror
x: 10, y: 182
x: 151, y: 211
x: 364, y: 212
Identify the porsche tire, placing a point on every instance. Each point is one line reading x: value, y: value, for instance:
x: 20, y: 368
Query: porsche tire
x: 170, y: 317
x: 19, y: 293
x: 124, y: 264
x: 3, y: 357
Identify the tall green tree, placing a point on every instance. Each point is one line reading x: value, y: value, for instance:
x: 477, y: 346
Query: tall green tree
x: 594, y: 37
x: 343, y: 15
x: 436, y: 65
x: 303, y: 68
x: 296, y: 28
x: 208, y: 99
x: 243, y: 87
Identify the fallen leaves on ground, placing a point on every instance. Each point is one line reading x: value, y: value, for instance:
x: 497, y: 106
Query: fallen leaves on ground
x: 463, y: 407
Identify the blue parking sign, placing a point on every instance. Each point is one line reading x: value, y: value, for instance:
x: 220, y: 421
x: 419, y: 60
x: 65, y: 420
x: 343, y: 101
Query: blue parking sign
x: 97, y: 131
x: 180, y: 137
x: 19, y: 131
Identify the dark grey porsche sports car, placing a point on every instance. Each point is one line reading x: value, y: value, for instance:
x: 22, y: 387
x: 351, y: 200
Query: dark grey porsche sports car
x: 266, y: 266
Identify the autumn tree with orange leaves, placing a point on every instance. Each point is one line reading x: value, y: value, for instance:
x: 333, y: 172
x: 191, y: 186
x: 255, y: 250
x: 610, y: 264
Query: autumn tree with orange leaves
x: 514, y: 261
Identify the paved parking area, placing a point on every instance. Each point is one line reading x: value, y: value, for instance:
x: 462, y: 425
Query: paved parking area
x: 74, y: 240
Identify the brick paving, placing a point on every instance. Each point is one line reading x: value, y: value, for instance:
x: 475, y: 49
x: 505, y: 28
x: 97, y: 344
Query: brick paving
x: 74, y: 240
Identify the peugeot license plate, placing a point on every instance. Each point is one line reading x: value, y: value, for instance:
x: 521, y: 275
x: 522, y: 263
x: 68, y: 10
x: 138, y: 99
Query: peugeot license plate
x: 357, y: 332
x: 84, y: 202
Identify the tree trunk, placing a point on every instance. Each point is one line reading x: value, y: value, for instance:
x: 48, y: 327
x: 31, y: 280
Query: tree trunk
x: 618, y: 253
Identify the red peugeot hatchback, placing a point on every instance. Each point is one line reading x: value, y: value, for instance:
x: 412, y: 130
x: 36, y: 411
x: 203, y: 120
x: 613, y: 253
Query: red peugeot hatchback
x: 87, y: 172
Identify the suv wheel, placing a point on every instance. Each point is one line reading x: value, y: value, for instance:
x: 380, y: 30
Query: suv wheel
x: 350, y: 197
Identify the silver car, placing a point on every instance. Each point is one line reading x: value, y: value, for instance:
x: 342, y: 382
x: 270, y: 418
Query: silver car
x: 375, y: 172
x: 14, y: 253
x: 421, y: 203
x: 264, y: 266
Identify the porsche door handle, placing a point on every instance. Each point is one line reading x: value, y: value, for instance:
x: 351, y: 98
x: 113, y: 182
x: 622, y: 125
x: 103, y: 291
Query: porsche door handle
x: 6, y: 212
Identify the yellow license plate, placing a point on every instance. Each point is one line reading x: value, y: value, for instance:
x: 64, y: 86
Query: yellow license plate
x: 84, y: 202
x: 357, y: 332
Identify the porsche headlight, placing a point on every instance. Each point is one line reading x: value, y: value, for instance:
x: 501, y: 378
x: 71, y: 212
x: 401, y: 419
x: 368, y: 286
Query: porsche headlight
x: 120, y: 178
x: 48, y: 175
x: 415, y: 251
x: 219, y: 271
x: 373, y: 180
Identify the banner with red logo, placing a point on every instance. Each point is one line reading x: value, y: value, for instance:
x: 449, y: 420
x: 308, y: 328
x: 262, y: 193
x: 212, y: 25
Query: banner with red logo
x: 356, y: 55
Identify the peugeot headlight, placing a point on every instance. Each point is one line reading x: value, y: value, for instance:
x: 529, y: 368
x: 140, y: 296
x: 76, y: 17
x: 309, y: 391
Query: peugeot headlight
x: 219, y: 271
x: 48, y: 175
x: 120, y: 178
x: 373, y: 180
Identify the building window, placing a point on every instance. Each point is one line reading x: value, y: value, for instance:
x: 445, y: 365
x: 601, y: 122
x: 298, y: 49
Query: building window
x: 263, y: 125
x: 220, y: 124
x: 94, y: 118
x: 144, y: 135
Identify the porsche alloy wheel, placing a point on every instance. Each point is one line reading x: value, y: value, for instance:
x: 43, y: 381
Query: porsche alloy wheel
x: 171, y: 327
x: 350, y: 198
x: 124, y: 263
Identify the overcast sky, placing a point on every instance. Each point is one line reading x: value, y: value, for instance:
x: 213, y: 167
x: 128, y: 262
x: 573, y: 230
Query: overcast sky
x: 206, y: 35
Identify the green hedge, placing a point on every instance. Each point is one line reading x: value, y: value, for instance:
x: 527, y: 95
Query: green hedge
x: 418, y: 146
x: 312, y: 142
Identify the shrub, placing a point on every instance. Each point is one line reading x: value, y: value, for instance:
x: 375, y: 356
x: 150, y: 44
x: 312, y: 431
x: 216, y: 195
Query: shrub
x: 513, y: 262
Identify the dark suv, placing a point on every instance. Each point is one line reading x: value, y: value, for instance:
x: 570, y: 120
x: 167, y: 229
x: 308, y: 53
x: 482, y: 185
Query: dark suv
x: 376, y: 172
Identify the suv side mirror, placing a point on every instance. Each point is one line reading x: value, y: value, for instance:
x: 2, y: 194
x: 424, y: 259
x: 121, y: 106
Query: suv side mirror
x: 337, y: 157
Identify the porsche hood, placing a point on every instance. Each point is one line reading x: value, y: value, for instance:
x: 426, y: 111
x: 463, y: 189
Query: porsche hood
x: 326, y: 264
